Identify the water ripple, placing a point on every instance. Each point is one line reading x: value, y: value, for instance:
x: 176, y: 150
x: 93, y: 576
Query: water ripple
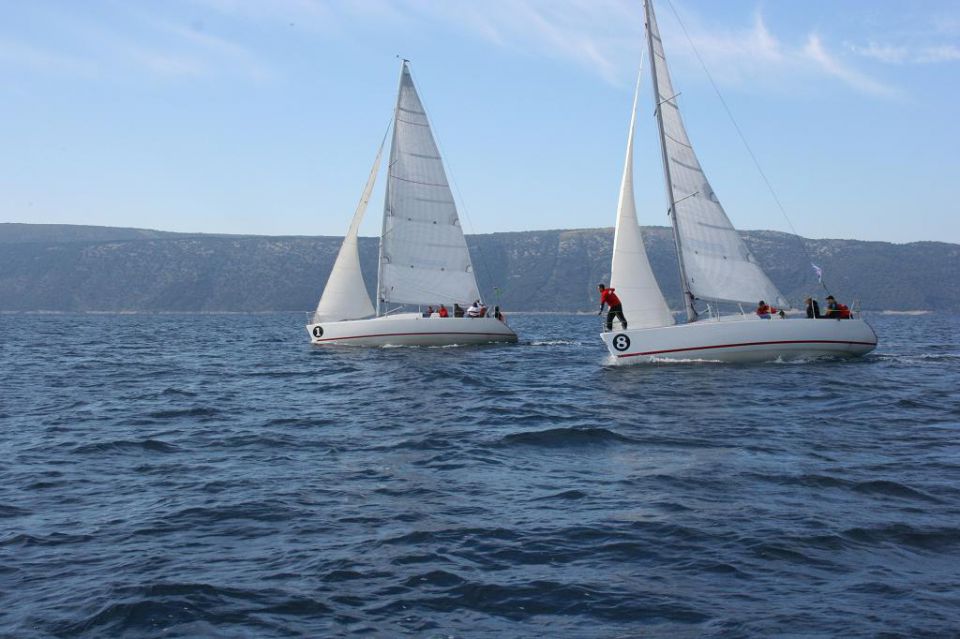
x: 161, y: 478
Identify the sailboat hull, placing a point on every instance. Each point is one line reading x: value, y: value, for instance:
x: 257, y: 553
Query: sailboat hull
x: 411, y: 329
x: 743, y: 340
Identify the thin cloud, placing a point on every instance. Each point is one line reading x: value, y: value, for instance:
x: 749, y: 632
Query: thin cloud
x: 902, y: 54
x: 137, y: 39
x: 606, y: 38
x: 815, y: 50
x: 25, y: 56
x: 601, y: 36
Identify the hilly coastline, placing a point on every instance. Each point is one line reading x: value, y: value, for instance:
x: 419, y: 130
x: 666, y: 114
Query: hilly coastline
x: 88, y: 268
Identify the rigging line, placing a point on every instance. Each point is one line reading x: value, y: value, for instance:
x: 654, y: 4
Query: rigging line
x: 456, y: 187
x: 743, y: 139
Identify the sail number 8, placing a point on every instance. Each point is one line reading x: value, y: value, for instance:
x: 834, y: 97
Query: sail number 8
x: 621, y: 342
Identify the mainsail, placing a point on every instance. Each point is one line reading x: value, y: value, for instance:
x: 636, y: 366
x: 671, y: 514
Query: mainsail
x: 643, y: 303
x: 423, y: 254
x: 345, y: 295
x: 715, y: 263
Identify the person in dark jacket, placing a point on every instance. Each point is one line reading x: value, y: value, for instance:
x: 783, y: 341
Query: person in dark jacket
x: 813, y: 308
x: 610, y: 299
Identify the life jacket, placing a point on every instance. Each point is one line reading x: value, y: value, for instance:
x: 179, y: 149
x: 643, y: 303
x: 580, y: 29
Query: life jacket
x: 843, y: 312
x: 766, y: 309
x: 443, y: 312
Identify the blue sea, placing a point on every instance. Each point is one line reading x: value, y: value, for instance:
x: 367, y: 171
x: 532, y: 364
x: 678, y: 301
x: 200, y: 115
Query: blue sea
x: 217, y: 476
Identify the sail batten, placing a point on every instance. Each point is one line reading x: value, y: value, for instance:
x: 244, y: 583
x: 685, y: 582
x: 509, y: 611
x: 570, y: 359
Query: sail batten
x: 715, y: 263
x: 423, y: 253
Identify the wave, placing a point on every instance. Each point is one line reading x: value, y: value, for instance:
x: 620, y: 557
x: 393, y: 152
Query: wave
x: 189, y: 609
x: 195, y: 411
x: 565, y: 495
x: 151, y: 445
x: 935, y: 539
x: 893, y: 489
x: 52, y: 539
x: 9, y: 510
x: 564, y: 437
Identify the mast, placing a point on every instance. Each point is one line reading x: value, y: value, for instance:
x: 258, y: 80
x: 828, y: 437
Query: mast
x: 684, y: 287
x: 386, y: 196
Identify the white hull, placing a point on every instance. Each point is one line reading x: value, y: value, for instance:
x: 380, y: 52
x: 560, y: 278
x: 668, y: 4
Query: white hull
x: 411, y: 329
x: 743, y: 340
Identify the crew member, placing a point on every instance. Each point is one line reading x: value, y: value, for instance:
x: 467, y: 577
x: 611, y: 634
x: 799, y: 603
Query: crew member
x: 813, y: 308
x: 764, y: 310
x: 475, y: 310
x: 442, y: 312
x: 835, y: 310
x: 609, y: 298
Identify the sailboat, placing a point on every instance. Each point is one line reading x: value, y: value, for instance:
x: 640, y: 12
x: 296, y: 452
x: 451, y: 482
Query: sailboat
x: 716, y: 268
x: 424, y: 260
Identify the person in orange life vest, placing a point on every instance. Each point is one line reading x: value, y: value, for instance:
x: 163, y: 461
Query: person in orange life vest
x: 764, y: 310
x: 609, y: 298
x: 442, y: 312
x: 836, y: 310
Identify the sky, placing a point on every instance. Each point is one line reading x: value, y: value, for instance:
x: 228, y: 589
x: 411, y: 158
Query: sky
x: 264, y: 117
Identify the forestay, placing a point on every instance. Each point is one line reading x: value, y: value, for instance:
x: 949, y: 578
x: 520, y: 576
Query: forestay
x: 423, y: 254
x: 717, y: 264
x: 345, y: 295
x: 643, y: 303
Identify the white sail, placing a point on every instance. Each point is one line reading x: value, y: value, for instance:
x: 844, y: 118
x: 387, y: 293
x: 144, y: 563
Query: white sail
x: 345, y: 295
x: 423, y: 254
x: 715, y: 262
x: 643, y: 303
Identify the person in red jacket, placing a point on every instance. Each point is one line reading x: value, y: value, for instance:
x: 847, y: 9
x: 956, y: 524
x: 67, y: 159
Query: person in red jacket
x: 442, y: 312
x: 609, y: 298
x: 764, y: 310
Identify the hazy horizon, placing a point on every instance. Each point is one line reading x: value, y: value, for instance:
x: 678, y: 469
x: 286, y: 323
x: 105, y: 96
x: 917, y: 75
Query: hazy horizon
x: 494, y: 232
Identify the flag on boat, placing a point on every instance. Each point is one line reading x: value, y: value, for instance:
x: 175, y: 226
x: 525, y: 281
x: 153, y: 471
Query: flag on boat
x: 819, y: 272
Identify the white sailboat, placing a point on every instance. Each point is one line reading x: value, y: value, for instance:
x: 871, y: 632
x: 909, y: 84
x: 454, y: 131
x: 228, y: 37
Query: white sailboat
x: 715, y: 265
x: 423, y: 254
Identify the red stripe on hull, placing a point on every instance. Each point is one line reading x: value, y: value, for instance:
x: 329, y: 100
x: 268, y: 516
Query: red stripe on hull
x: 335, y: 339
x: 705, y: 348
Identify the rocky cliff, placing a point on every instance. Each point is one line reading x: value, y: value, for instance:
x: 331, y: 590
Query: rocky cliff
x: 82, y: 268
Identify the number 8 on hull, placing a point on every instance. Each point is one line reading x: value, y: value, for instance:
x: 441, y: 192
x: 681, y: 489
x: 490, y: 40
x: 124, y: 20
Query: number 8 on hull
x: 715, y: 265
